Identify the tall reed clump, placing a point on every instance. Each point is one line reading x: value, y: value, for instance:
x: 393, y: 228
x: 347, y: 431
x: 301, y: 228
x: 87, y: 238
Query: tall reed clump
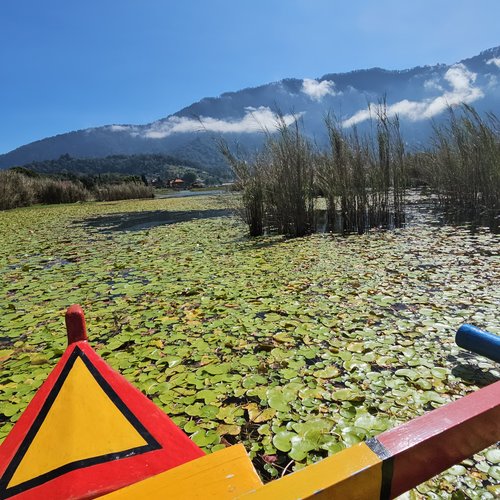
x: 463, y: 166
x: 54, y: 191
x: 123, y: 191
x: 388, y: 180
x: 16, y: 190
x: 278, y: 184
x: 363, y: 179
x: 20, y: 190
x: 250, y: 180
x: 342, y: 178
x: 287, y: 163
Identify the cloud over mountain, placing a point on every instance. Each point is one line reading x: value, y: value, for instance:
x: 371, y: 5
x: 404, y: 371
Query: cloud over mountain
x: 317, y: 90
x: 461, y: 90
x: 495, y: 61
x: 254, y: 120
x: 416, y: 95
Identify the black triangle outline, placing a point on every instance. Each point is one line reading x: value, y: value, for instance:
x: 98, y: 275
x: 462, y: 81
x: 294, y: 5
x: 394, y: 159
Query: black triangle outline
x: 151, y: 443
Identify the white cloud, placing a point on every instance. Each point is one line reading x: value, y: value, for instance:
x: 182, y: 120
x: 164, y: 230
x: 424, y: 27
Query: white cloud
x: 317, y: 90
x: 495, y: 61
x: 460, y: 78
x: 462, y: 90
x: 433, y: 84
x: 492, y: 81
x: 254, y: 120
x: 120, y: 128
x: 358, y: 117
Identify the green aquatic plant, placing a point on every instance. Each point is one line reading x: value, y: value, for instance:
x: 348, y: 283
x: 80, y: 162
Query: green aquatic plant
x: 297, y: 348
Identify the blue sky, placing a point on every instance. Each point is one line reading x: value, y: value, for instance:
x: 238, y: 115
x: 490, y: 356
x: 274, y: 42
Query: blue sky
x: 72, y: 64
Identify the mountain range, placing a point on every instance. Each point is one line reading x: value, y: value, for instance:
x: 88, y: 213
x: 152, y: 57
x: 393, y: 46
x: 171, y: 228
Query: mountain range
x: 419, y: 96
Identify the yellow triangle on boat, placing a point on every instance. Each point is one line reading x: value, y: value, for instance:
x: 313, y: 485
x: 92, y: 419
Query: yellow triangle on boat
x: 83, y: 423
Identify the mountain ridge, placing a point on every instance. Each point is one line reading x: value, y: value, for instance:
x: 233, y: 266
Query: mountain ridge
x: 416, y: 94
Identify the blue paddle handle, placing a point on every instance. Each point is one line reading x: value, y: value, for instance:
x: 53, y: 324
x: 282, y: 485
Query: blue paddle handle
x: 484, y: 343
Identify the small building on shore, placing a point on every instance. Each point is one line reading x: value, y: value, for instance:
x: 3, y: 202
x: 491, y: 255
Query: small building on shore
x: 177, y: 184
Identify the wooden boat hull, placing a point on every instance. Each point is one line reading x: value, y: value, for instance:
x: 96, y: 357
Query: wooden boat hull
x: 89, y: 433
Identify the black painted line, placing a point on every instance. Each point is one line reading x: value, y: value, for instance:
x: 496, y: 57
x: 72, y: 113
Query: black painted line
x: 377, y: 447
x: 125, y: 410
x: 152, y: 443
x: 387, y: 473
x: 387, y: 466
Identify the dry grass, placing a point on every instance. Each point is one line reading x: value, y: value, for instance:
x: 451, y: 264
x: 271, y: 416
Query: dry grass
x: 124, y: 191
x: 18, y: 190
x: 53, y: 191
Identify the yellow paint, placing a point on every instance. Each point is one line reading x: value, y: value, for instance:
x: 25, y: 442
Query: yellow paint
x: 221, y: 475
x: 355, y: 473
x: 82, y: 423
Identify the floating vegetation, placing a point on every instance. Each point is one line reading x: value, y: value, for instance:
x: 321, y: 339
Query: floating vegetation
x: 297, y: 348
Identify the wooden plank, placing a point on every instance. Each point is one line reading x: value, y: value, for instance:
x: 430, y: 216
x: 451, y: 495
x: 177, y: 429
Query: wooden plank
x: 355, y: 473
x: 407, y: 455
x: 222, y: 475
x: 428, y: 445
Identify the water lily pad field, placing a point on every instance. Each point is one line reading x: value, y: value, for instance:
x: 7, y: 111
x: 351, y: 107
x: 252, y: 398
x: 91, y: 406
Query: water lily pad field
x: 297, y: 348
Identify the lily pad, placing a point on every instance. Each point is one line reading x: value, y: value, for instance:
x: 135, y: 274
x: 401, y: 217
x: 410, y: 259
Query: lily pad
x: 301, y: 446
x: 328, y: 372
x: 279, y: 399
x: 493, y: 456
x: 348, y: 395
x: 282, y: 440
x: 328, y: 339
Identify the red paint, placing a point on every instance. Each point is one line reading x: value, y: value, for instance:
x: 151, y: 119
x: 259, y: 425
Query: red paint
x: 95, y: 480
x: 437, y: 440
x: 75, y: 324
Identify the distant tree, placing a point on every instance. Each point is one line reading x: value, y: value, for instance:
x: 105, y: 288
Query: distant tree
x: 24, y: 171
x: 189, y: 177
x: 113, y: 169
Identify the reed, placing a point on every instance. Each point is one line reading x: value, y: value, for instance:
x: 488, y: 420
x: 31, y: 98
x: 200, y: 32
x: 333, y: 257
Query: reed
x: 249, y: 180
x: 363, y: 179
x: 288, y: 164
x: 123, y: 191
x: 54, y: 191
x: 463, y: 165
x: 16, y: 190
x: 277, y: 185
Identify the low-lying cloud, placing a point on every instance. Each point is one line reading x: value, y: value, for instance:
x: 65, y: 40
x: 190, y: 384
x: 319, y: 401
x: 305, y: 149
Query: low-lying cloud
x: 254, y: 120
x: 495, y: 61
x: 317, y: 90
x: 461, y: 90
x: 433, y: 84
x: 120, y: 128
